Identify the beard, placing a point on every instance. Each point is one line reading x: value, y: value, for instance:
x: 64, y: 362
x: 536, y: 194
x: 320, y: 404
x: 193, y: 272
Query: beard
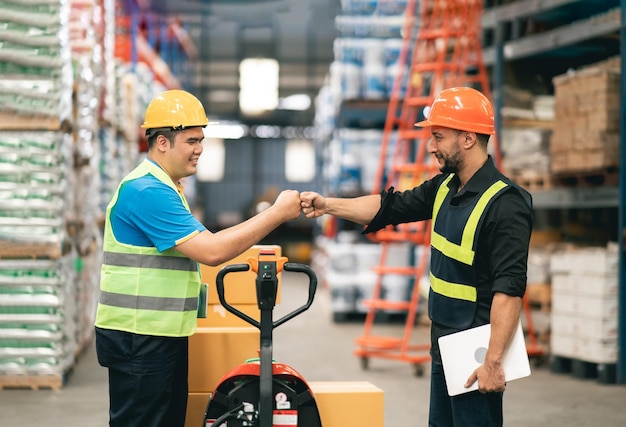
x: 451, y: 161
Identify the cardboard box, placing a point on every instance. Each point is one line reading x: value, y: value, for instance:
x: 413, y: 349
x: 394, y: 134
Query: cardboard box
x: 218, y: 316
x: 196, y: 405
x: 349, y: 403
x: 239, y: 287
x: 341, y: 404
x: 216, y: 350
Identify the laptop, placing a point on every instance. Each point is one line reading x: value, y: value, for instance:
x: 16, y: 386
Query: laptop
x: 463, y: 352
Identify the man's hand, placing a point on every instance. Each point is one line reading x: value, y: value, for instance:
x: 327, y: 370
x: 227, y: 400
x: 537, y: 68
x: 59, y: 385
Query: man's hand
x: 490, y: 377
x: 312, y: 204
x: 288, y: 203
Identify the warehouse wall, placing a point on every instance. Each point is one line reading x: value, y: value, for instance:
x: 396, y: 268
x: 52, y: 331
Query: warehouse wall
x: 254, y: 171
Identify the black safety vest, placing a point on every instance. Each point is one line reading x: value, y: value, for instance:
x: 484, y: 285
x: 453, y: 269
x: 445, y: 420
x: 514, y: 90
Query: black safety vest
x: 453, y: 291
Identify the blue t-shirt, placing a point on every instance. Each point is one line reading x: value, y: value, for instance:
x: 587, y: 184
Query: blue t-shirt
x: 150, y: 213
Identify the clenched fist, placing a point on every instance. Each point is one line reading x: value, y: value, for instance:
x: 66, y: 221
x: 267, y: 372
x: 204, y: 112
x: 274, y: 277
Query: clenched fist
x: 312, y: 204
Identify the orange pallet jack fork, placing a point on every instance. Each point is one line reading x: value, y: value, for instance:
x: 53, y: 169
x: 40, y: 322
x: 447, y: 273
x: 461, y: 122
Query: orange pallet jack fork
x: 443, y: 44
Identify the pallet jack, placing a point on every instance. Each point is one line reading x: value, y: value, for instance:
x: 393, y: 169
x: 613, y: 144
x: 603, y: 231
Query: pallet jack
x: 262, y: 392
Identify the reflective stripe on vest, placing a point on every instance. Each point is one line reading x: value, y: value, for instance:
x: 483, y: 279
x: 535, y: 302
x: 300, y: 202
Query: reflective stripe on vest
x: 453, y: 290
x: 149, y: 261
x: 148, y: 303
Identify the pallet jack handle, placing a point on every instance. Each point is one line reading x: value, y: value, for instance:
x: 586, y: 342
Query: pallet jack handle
x: 267, y: 266
x: 266, y: 297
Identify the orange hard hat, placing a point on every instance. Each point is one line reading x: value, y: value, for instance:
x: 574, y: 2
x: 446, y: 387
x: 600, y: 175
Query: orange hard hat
x: 176, y: 109
x: 461, y: 108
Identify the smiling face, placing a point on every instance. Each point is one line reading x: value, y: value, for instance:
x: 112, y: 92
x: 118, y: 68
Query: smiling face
x: 445, y: 146
x: 179, y: 158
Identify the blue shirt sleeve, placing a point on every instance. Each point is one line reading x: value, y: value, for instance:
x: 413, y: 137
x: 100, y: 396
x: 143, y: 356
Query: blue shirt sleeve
x: 150, y: 213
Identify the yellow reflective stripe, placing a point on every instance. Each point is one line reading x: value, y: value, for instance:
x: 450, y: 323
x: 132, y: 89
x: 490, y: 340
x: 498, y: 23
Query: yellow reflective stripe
x: 464, y: 252
x: 453, y: 290
x: 472, y: 223
x: 442, y: 192
x: 461, y: 253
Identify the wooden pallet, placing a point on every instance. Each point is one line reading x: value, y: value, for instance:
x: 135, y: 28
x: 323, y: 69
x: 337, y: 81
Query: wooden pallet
x: 591, y: 178
x: 533, y: 181
x: 30, y: 250
x: 604, y: 373
x: 32, y: 382
x: 19, y: 122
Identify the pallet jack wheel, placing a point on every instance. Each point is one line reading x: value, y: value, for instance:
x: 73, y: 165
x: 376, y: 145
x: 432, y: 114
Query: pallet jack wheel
x: 365, y: 363
x: 418, y: 370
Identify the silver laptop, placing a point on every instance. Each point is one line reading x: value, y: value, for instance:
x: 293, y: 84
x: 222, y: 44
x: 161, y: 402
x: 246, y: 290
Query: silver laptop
x: 463, y: 352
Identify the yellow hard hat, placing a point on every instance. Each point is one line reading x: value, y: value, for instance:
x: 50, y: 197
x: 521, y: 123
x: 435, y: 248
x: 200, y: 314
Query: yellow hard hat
x: 176, y: 109
x: 461, y: 108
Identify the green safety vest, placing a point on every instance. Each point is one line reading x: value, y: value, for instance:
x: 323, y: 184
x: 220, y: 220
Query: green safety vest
x: 142, y: 290
x: 453, y: 291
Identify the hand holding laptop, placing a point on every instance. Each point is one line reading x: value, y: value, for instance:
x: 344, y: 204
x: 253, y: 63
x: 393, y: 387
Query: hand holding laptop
x: 463, y: 354
x: 488, y: 378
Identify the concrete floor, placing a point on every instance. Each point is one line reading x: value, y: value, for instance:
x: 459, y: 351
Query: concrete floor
x: 322, y: 351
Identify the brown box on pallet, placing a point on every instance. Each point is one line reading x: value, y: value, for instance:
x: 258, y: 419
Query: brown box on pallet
x: 349, y: 403
x: 586, y: 129
x: 239, y: 287
x: 218, y: 316
x: 216, y: 350
x: 196, y: 405
x: 584, y: 160
x: 340, y: 404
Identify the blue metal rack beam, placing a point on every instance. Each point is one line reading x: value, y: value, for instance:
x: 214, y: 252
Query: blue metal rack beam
x: 566, y: 35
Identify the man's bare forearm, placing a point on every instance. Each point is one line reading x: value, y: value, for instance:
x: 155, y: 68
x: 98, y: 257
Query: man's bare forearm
x: 359, y: 209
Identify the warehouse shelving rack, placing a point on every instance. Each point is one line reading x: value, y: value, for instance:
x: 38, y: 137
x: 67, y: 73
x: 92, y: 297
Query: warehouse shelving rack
x: 594, y: 26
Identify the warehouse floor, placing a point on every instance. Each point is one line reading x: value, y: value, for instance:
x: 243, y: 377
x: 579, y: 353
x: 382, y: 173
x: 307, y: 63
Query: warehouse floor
x: 322, y: 351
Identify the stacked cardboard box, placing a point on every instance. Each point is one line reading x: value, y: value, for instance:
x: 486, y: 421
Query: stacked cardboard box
x: 586, y: 125
x: 223, y: 342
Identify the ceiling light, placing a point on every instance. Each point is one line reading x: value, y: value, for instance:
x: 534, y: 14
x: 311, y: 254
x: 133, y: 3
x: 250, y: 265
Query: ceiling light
x: 225, y: 130
x: 297, y: 102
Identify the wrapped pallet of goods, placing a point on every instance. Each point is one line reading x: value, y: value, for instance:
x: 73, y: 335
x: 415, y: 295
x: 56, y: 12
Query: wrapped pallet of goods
x: 37, y: 319
x: 584, y: 147
x: 524, y: 139
x: 50, y: 108
x: 584, y: 316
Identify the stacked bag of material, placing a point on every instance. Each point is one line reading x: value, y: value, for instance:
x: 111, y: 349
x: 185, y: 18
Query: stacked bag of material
x: 367, y: 50
x: 35, y: 62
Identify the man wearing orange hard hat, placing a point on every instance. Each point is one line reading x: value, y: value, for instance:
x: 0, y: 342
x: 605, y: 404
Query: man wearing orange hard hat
x: 481, y: 225
x: 150, y: 278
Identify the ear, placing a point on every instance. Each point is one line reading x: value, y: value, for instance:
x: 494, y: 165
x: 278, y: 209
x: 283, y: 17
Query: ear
x: 469, y: 139
x: 162, y: 143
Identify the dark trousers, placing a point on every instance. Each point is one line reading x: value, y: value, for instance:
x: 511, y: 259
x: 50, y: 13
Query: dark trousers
x: 147, y: 378
x: 471, y: 409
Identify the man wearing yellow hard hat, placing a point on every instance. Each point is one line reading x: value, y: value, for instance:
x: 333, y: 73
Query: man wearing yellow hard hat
x: 479, y: 246
x: 150, y: 278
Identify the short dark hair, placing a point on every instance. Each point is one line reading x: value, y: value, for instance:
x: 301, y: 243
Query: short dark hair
x: 483, y: 139
x: 153, y: 134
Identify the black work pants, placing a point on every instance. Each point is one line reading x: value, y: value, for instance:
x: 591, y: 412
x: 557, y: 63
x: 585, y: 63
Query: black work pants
x: 147, y: 378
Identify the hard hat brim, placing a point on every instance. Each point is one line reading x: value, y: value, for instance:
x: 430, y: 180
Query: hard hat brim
x: 423, y: 123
